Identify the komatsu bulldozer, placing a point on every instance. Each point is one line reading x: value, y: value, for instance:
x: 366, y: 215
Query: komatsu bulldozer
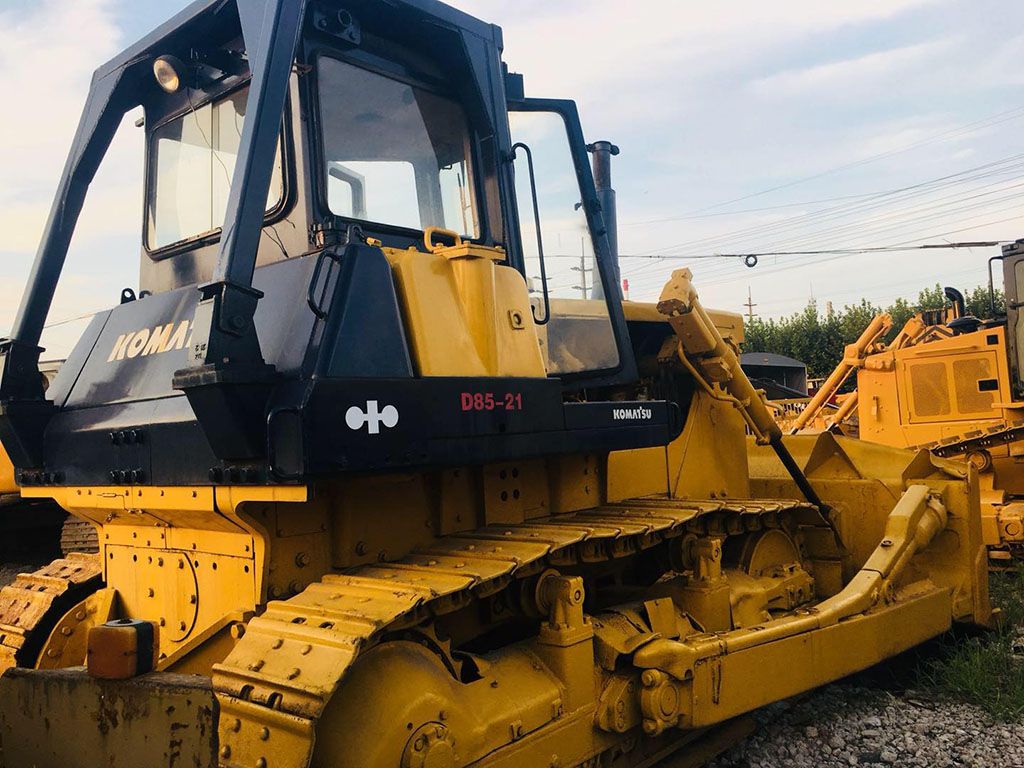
x: 375, y: 486
x: 951, y: 384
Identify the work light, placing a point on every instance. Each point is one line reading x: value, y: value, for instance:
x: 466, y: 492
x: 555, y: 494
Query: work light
x: 168, y: 71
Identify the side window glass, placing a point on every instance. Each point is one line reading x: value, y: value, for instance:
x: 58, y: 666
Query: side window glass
x: 193, y: 164
x: 579, y: 335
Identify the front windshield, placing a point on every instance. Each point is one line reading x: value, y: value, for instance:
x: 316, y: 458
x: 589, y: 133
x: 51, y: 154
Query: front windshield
x: 193, y: 161
x: 395, y: 154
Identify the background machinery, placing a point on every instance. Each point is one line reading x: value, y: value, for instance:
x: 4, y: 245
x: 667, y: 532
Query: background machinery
x: 951, y: 384
x: 371, y: 490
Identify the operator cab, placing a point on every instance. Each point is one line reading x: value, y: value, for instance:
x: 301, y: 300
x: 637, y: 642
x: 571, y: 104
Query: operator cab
x: 363, y: 248
x: 386, y: 136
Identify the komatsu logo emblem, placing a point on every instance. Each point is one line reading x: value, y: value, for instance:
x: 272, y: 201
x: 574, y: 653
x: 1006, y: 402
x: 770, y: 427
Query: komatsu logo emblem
x: 151, y: 341
x: 632, y: 414
x: 372, y: 418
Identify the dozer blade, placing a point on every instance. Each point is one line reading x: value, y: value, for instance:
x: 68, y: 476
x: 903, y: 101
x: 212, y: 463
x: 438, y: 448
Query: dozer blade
x: 66, y: 718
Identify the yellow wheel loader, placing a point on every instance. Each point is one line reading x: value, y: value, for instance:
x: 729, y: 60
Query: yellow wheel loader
x: 375, y: 486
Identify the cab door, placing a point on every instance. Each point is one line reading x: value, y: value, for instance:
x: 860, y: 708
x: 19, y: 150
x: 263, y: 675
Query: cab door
x: 566, y: 255
x: 1013, y: 282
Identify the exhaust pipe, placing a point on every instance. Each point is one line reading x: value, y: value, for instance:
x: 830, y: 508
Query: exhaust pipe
x: 957, y: 300
x: 603, y: 152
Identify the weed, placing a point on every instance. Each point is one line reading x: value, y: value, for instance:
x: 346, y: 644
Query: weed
x: 986, y: 670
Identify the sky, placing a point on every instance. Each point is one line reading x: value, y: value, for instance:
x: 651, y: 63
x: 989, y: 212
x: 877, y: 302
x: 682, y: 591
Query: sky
x: 745, y: 127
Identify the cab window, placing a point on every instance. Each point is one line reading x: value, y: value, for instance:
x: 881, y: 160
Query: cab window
x: 395, y: 154
x: 192, y: 163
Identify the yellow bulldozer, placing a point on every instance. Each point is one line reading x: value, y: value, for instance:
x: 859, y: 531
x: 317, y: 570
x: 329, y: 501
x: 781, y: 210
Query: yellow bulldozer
x: 951, y: 384
x: 374, y: 488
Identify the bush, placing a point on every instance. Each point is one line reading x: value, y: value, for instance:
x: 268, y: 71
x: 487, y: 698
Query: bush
x: 818, y: 339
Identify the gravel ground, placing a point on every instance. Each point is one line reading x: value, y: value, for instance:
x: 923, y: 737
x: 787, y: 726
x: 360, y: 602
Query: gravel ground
x: 849, y: 725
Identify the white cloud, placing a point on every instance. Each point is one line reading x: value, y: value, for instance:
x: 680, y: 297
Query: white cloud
x: 670, y: 81
x: 46, y: 60
x: 607, y: 54
x: 838, y: 79
x: 47, y: 57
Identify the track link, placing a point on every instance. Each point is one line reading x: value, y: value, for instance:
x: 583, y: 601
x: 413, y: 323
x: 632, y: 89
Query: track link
x: 978, y: 440
x: 281, y: 675
x: 79, y: 536
x: 35, y: 601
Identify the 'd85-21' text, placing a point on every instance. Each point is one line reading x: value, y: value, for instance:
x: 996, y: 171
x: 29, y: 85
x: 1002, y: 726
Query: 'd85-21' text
x: 490, y: 401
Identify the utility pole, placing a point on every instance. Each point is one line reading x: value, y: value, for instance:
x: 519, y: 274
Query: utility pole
x: 583, y: 270
x: 750, y: 305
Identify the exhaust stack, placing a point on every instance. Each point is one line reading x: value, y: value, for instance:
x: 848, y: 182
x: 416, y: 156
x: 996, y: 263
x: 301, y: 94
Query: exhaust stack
x: 957, y: 300
x: 603, y: 152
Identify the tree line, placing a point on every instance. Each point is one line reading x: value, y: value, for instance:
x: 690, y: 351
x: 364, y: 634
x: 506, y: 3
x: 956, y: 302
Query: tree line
x: 818, y: 338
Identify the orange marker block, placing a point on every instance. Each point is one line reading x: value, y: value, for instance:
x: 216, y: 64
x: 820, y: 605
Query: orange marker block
x: 123, y: 649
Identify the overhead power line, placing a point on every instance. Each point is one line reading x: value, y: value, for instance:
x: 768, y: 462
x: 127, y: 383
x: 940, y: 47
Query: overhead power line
x: 898, y: 225
x: 815, y: 252
x: 822, y: 255
x: 895, y: 247
x: 985, y: 122
x: 762, y: 209
x: 870, y: 249
x: 76, y: 318
x: 875, y: 201
x: 890, y: 223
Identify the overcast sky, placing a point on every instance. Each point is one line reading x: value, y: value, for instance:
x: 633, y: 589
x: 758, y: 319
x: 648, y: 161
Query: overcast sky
x: 745, y: 126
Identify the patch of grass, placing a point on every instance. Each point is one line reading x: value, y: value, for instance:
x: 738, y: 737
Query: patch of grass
x: 986, y: 670
x: 1006, y: 591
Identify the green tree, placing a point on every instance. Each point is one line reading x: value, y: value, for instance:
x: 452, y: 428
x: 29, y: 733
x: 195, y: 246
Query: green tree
x: 819, y: 339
